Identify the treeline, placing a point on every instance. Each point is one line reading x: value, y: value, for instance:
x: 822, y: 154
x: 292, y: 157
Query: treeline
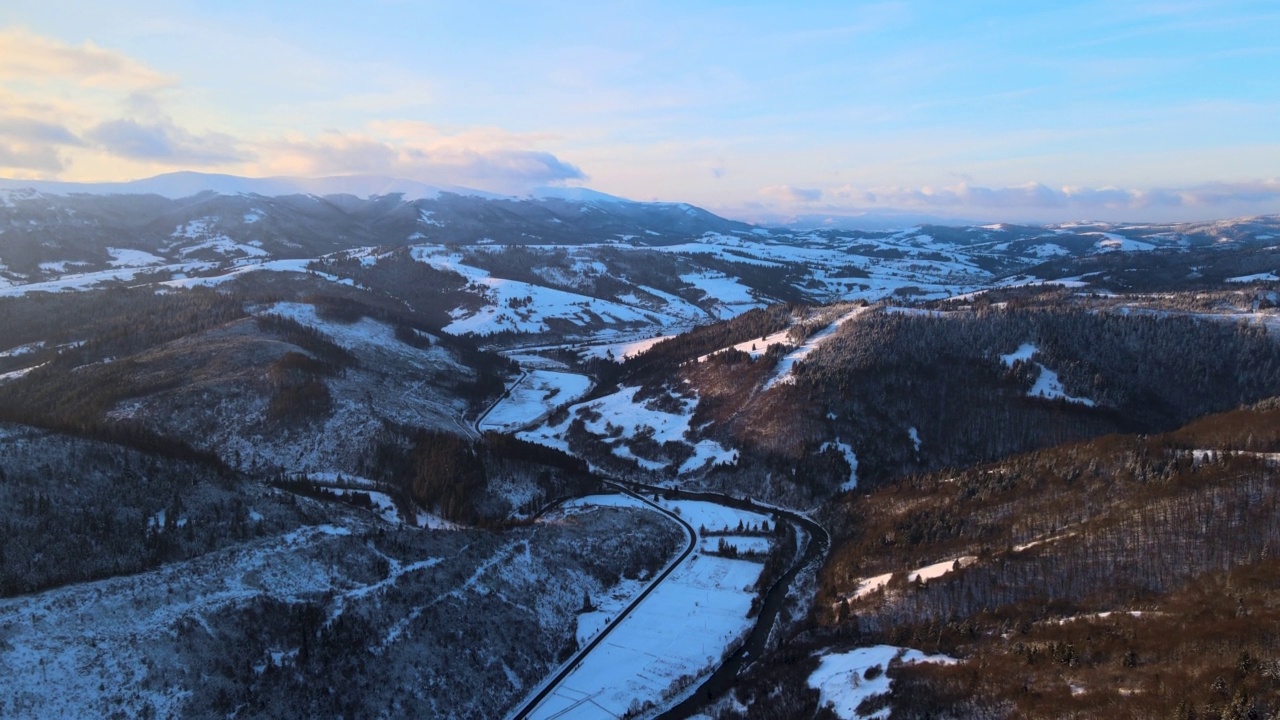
x: 1163, y: 270
x: 411, y: 329
x: 1127, y: 576
x: 1204, y: 651
x: 73, y: 510
x: 889, y: 372
x: 450, y: 475
x: 772, y: 282
x: 303, y: 485
x: 1167, y: 494
x: 661, y: 360
x: 430, y: 292
x: 78, y: 328
x: 335, y: 357
x: 552, y: 267
x: 348, y: 310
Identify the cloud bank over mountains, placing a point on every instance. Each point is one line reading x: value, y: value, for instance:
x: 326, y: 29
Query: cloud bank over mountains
x: 115, y: 119
x: 80, y: 111
x: 1032, y: 201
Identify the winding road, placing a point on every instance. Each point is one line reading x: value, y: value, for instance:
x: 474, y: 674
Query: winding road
x: 816, y: 543
x: 549, y: 686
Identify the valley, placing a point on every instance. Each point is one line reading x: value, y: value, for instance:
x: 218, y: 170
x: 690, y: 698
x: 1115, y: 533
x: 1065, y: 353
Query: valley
x: 455, y: 455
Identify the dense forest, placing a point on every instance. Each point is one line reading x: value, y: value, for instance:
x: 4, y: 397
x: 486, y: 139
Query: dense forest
x: 915, y: 391
x: 1128, y: 576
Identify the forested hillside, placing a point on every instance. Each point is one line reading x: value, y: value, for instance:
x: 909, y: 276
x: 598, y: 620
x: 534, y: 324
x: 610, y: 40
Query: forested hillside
x: 1129, y: 576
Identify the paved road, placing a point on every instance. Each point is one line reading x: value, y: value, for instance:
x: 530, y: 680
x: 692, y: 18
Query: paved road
x: 549, y: 686
x: 505, y: 394
x: 722, y: 680
x: 816, y: 546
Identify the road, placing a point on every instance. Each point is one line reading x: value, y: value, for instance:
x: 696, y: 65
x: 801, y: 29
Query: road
x: 722, y: 679
x: 550, y: 686
x: 505, y: 394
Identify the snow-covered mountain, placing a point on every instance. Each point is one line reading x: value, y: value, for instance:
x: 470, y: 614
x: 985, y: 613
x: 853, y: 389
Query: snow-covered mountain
x: 264, y: 436
x: 644, y: 266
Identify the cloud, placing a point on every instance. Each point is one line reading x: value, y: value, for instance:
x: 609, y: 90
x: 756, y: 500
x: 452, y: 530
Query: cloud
x: 442, y: 161
x: 29, y: 144
x: 36, y: 131
x: 1038, y: 196
x: 791, y: 195
x: 166, y: 143
x: 27, y: 57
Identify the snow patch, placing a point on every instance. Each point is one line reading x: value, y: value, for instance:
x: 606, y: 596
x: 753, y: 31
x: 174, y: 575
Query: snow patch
x: 850, y: 458
x: 842, y: 678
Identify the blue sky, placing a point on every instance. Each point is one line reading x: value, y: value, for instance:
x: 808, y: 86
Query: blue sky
x: 982, y: 110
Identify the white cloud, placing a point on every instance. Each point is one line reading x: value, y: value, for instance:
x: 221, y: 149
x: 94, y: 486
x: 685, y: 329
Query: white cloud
x: 434, y: 158
x: 791, y: 195
x: 27, y: 57
x: 162, y: 141
x: 1038, y: 195
x: 33, y: 145
x: 1037, y: 201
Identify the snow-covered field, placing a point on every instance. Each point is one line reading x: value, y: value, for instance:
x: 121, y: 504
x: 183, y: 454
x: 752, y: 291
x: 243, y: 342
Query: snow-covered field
x: 679, y: 632
x: 620, y: 417
x: 625, y: 349
x: 535, y: 395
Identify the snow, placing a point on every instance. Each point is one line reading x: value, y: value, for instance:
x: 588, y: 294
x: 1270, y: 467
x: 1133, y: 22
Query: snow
x: 292, y: 265
x: 708, y: 452
x: 1031, y: 280
x: 742, y: 543
x: 842, y: 683
x: 1047, y: 250
x: 1024, y: 353
x: 623, y: 417
x: 929, y: 572
x: 1256, y: 277
x: 507, y: 309
x: 364, y: 332
x: 725, y: 289
x: 759, y: 346
x: 607, y: 607
x: 1042, y: 541
x: 622, y: 350
x: 126, y: 257
x: 680, y: 631
x: 537, y: 393
x: 1047, y: 384
x: 383, y: 506
x: 60, y: 266
x: 783, y: 372
x: 82, y: 647
x: 22, y: 349
x: 1112, y: 242
x: 712, y: 516
x: 89, y: 280
x: 850, y: 458
x: 15, y: 374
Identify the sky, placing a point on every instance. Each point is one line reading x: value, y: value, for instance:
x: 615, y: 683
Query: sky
x: 983, y: 110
